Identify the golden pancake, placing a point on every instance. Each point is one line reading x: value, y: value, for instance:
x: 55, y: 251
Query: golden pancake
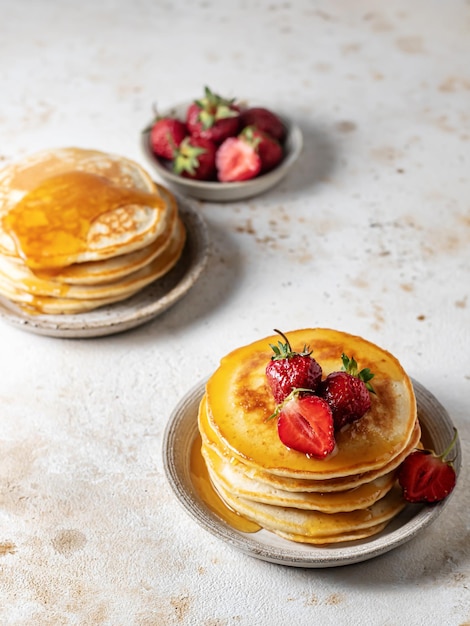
x: 80, y: 229
x: 107, y: 270
x: 232, y: 476
x: 54, y: 298
x: 350, y: 494
x: 315, y: 526
x: 239, y: 404
x: 65, y: 177
x: 306, y: 485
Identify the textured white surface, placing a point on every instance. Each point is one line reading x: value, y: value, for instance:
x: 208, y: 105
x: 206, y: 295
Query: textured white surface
x: 369, y: 234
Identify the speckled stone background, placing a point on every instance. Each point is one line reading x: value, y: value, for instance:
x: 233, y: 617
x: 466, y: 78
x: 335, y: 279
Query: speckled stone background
x: 369, y: 234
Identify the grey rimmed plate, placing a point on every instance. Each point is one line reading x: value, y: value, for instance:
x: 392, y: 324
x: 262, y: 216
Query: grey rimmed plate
x: 214, y: 191
x: 179, y: 436
x: 140, y: 308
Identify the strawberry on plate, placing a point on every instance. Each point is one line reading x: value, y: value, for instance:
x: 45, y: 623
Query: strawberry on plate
x: 288, y: 370
x: 213, y: 117
x: 265, y: 120
x: 427, y: 477
x: 166, y: 135
x: 347, y: 392
x: 305, y: 424
x: 195, y: 158
x: 237, y: 160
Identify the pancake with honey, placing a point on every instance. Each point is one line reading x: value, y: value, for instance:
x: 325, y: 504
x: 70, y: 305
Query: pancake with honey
x: 232, y: 477
x: 239, y: 404
x: 296, y: 484
x: 80, y: 229
x: 316, y: 527
x: 350, y: 494
x: 22, y: 286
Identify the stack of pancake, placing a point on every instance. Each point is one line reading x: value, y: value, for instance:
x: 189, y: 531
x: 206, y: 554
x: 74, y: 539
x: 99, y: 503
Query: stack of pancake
x: 80, y: 229
x: 351, y: 494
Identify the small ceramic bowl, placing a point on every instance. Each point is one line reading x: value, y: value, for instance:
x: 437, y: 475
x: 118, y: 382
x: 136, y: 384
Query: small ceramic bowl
x: 224, y: 192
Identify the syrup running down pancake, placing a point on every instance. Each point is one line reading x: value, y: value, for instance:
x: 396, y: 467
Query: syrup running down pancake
x: 81, y: 228
x: 352, y: 492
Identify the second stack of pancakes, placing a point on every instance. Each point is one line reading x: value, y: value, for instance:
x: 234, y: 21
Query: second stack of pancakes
x: 351, y: 494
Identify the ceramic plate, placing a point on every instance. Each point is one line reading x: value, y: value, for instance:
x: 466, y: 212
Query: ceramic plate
x: 140, y: 308
x: 179, y: 436
x: 225, y: 192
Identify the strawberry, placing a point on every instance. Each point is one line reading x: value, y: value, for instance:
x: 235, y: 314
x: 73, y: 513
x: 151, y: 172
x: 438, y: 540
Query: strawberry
x: 288, y: 370
x: 305, y: 424
x: 265, y: 120
x: 236, y: 160
x: 195, y: 158
x: 347, y: 392
x: 213, y: 117
x: 268, y: 148
x: 427, y: 477
x: 166, y: 135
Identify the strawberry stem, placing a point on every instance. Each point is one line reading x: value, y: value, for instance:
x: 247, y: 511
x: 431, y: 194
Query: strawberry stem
x: 450, y: 446
x: 284, y: 337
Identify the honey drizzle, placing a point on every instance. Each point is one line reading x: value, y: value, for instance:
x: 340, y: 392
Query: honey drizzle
x: 50, y: 224
x: 203, y: 485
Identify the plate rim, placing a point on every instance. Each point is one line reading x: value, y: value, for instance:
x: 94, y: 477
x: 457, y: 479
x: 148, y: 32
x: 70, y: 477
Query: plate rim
x: 108, y: 321
x: 182, y: 424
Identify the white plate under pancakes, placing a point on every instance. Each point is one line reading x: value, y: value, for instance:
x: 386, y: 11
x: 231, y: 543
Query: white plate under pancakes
x: 140, y: 308
x: 179, y: 436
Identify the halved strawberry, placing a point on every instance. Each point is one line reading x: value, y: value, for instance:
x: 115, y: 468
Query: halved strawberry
x: 288, y: 370
x: 305, y: 424
x: 268, y: 148
x: 236, y: 161
x: 427, y: 477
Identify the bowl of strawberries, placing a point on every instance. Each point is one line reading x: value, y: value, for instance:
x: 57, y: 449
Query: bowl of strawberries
x: 219, y: 149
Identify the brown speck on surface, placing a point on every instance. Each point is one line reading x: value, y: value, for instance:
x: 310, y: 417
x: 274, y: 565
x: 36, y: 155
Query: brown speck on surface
x: 68, y: 541
x: 181, y: 606
x: 345, y: 126
x: 334, y: 599
x: 453, y: 84
x: 379, y: 24
x: 421, y: 317
x: 410, y: 45
x: 7, y: 547
x: 351, y: 47
x: 461, y: 304
x: 406, y: 287
x: 311, y: 600
x: 247, y: 228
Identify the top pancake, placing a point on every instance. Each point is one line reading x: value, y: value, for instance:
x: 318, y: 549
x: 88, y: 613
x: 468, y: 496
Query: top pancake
x: 72, y: 205
x: 239, y: 404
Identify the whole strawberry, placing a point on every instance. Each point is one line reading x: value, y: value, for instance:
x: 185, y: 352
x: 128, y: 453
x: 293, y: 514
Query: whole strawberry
x: 213, y: 117
x: 305, y: 424
x: 237, y: 160
x: 195, y: 158
x: 427, y: 477
x: 166, y: 135
x: 265, y: 120
x: 288, y: 370
x: 269, y: 149
x: 347, y: 392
